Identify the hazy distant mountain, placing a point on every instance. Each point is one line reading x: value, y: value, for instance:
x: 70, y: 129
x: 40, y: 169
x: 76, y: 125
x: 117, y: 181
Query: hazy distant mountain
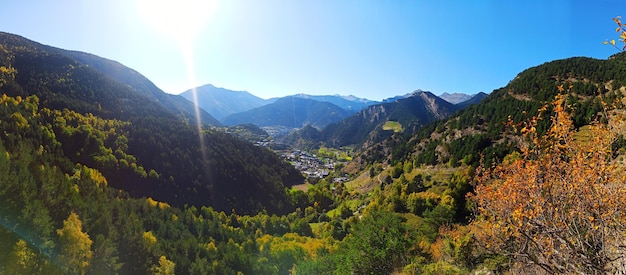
x: 455, y: 98
x: 350, y: 102
x: 220, y: 102
x: 475, y: 99
x: 292, y: 111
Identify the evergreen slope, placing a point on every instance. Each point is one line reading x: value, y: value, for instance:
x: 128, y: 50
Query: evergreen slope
x: 62, y: 217
x: 112, y: 69
x: 175, y: 104
x: 480, y: 129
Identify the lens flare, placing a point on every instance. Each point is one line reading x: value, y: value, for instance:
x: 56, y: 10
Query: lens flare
x: 191, y: 74
x: 182, y: 21
x: 26, y: 234
x: 179, y: 19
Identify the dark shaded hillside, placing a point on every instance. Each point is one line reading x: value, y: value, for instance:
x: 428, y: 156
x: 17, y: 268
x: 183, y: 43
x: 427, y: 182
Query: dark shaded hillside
x: 176, y: 104
x: 306, y: 138
x: 137, y: 143
x: 477, y: 98
x: 61, y: 82
x: 112, y: 69
x: 291, y: 112
x: 220, y: 102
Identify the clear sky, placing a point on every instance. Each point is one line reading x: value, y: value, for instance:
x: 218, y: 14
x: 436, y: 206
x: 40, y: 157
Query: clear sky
x: 372, y: 49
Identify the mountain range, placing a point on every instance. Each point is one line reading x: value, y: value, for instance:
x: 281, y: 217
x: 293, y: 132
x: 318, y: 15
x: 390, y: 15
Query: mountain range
x: 221, y: 102
x: 366, y: 126
x: 478, y: 132
x: 238, y: 107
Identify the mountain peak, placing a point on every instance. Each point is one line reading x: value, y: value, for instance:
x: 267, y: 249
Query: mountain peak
x: 221, y: 102
x: 413, y: 93
x: 290, y: 111
x: 455, y: 98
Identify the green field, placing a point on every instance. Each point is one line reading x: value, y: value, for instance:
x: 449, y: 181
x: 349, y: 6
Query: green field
x: 333, y: 153
x: 393, y: 125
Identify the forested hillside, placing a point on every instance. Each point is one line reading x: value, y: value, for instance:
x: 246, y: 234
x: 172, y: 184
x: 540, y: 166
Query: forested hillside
x: 139, y: 145
x: 480, y: 130
x: 63, y: 217
x: 541, y: 128
x: 120, y: 73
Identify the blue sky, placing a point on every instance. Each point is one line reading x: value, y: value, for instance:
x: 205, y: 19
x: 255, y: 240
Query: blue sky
x: 372, y: 49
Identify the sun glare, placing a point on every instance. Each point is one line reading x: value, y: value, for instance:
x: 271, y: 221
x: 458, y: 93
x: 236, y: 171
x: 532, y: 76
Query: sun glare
x: 181, y: 20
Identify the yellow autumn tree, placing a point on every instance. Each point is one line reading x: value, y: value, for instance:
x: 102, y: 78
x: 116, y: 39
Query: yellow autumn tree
x: 75, y: 246
x: 23, y: 260
x: 560, y: 205
x: 165, y: 267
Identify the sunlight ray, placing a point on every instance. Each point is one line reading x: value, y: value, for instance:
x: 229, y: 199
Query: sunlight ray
x: 182, y: 21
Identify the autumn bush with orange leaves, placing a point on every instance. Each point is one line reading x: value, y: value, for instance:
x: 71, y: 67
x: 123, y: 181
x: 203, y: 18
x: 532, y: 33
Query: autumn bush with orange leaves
x: 621, y: 29
x: 558, y: 205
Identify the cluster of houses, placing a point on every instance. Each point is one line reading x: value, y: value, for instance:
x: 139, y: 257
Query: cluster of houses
x: 309, y: 164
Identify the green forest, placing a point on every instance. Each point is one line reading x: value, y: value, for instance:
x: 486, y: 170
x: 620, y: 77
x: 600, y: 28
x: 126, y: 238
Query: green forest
x: 529, y: 180
x: 62, y: 216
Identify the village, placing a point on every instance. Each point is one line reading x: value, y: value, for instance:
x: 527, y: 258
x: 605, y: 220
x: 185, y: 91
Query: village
x: 310, y: 165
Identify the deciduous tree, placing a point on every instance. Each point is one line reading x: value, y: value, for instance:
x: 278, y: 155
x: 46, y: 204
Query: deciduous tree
x: 75, y: 245
x: 560, y: 205
x: 165, y: 267
x: 621, y: 29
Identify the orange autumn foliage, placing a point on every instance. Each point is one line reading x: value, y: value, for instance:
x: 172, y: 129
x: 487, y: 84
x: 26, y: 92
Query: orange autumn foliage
x: 621, y: 29
x: 560, y: 205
